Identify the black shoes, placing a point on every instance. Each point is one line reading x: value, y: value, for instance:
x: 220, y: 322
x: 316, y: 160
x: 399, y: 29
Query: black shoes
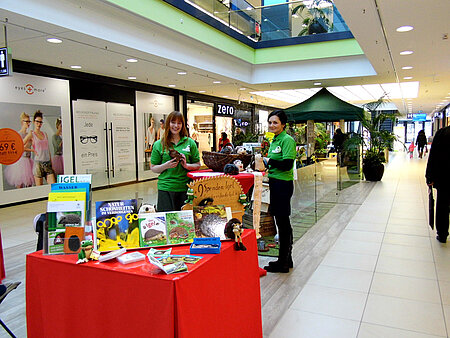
x: 290, y: 262
x: 276, y: 267
x: 441, y: 239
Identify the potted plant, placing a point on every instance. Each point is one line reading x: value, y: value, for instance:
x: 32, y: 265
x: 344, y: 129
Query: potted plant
x: 378, y: 140
x: 316, y: 20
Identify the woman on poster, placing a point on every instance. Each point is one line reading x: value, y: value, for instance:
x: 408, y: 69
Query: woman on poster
x: 57, y: 159
x: 172, y: 157
x: 20, y: 174
x: 282, y: 152
x: 42, y: 160
x: 161, y: 129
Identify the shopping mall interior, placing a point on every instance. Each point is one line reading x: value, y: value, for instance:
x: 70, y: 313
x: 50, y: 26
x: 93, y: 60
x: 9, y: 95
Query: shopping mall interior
x: 366, y: 262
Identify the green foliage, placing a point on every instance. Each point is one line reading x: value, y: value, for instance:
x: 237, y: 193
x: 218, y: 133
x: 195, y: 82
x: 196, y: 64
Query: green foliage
x: 297, y: 133
x: 315, y: 15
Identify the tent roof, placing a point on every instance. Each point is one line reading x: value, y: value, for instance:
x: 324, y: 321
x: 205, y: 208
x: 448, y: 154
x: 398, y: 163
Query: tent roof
x: 324, y: 106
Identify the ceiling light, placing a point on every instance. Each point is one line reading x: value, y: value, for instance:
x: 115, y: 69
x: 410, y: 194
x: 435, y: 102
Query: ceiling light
x: 243, y: 88
x: 216, y: 82
x: 181, y: 73
x: 75, y: 67
x: 407, y: 77
x: 202, y: 91
x: 132, y: 60
x: 317, y: 83
x: 54, y: 40
x: 406, y: 52
x: 407, y: 67
x: 172, y: 85
x: 404, y: 28
x: 225, y: 96
x: 131, y: 77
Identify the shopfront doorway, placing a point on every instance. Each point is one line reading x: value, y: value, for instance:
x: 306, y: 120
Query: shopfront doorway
x: 200, y: 124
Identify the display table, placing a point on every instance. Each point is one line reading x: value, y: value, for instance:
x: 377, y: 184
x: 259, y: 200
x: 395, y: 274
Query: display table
x: 218, y: 297
x: 245, y: 179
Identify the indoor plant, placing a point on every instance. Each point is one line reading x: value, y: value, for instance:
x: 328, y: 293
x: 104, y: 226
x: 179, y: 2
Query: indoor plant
x: 315, y: 20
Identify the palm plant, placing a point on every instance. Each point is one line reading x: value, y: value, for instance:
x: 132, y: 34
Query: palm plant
x: 316, y: 21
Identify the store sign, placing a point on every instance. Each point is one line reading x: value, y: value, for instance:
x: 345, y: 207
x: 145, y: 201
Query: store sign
x: 241, y: 123
x: 409, y: 116
x: 225, y: 110
x: 438, y: 115
x: 4, y: 62
x: 419, y: 117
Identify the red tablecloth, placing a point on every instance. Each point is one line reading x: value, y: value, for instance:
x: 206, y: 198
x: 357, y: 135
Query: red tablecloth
x: 245, y: 179
x: 2, y: 264
x: 218, y: 297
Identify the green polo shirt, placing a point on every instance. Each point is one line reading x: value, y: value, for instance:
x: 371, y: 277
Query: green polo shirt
x: 282, y: 148
x: 174, y: 179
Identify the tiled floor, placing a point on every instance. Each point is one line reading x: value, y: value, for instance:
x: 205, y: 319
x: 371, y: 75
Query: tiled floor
x: 386, y: 275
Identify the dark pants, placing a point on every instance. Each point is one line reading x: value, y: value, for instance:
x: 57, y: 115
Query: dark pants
x: 442, y: 212
x: 170, y: 200
x: 280, y: 207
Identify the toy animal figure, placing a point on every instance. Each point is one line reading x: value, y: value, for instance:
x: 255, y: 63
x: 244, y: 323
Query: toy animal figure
x: 190, y: 196
x: 241, y: 150
x: 147, y: 208
x: 259, y: 163
x: 233, y: 230
x: 243, y: 199
x: 231, y: 169
x: 85, y: 254
x: 239, y: 165
x: 175, y: 154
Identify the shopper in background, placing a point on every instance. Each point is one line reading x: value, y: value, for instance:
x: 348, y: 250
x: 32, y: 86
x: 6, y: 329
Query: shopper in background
x: 172, y: 181
x: 421, y: 142
x: 437, y: 176
x: 281, y: 156
x: 42, y: 159
x: 223, y: 141
x: 338, y: 140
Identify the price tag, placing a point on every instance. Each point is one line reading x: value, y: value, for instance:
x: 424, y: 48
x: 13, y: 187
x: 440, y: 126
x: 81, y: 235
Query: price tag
x: 11, y: 146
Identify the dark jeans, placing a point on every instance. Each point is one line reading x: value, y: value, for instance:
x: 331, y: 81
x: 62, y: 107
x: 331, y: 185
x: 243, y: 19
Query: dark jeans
x: 280, y: 207
x: 170, y: 200
x: 442, y: 212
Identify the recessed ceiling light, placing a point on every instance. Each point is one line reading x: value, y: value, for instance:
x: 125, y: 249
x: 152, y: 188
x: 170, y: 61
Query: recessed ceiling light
x: 405, y: 28
x: 407, y: 67
x: 216, y: 82
x: 317, y: 83
x: 225, y: 96
x: 131, y: 77
x: 243, y: 88
x: 406, y: 52
x: 202, y: 91
x: 54, y: 40
x: 172, y: 85
x: 75, y: 67
x: 408, y: 77
x: 132, y: 60
x: 181, y: 73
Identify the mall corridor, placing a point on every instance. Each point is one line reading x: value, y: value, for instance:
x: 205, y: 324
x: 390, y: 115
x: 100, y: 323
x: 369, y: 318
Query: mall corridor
x: 383, y: 275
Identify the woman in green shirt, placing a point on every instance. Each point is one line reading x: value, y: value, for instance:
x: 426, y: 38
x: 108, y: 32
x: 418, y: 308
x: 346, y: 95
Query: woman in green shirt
x: 172, y: 179
x: 282, y: 152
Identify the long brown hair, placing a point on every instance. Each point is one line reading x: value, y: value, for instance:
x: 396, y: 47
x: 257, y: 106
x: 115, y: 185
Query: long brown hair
x: 167, y: 140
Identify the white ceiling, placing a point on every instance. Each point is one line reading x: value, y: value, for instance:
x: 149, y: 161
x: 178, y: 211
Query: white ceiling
x: 373, y: 23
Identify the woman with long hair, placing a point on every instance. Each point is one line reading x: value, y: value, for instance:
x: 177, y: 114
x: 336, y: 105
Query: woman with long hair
x: 172, y: 157
x: 57, y: 159
x: 20, y: 174
x: 42, y: 159
x: 282, y: 152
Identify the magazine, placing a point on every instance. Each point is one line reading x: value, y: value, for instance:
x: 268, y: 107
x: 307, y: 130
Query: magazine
x: 210, y: 221
x: 152, y: 228
x: 116, y: 225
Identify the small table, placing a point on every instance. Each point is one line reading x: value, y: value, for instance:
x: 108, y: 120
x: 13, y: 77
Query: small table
x: 218, y: 297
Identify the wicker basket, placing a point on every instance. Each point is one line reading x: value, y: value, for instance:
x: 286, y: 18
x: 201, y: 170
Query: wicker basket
x: 217, y: 161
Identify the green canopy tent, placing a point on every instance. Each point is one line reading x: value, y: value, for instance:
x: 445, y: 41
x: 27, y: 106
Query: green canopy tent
x: 324, y: 107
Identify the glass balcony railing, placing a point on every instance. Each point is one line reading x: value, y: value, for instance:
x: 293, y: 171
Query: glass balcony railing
x: 273, y: 22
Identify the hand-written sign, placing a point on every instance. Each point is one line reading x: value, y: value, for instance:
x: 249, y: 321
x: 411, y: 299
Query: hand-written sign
x: 11, y: 146
x: 224, y: 190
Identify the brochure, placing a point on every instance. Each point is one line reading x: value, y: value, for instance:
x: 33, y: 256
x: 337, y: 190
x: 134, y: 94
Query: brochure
x: 210, y: 221
x: 170, y: 268
x: 76, y: 187
x: 152, y: 228
x: 179, y: 258
x: 116, y: 225
x: 180, y: 227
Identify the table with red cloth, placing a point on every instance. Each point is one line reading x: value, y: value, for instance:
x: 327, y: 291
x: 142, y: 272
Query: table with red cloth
x: 245, y: 179
x: 218, y: 297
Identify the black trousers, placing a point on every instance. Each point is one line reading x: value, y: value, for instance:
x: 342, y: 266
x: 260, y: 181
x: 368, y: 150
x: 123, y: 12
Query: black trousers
x: 442, y: 211
x: 280, y: 207
x: 170, y: 200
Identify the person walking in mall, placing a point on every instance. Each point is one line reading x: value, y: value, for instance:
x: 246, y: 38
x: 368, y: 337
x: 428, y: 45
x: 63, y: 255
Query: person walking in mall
x: 172, y: 157
x: 421, y: 142
x: 437, y: 176
x: 281, y: 156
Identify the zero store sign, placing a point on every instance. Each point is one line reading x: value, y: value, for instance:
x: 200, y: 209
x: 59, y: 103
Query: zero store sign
x: 225, y: 110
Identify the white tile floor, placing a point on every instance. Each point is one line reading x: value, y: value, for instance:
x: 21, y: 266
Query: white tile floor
x: 386, y: 275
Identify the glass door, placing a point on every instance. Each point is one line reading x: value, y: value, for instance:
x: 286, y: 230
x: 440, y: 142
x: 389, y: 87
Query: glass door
x: 200, y: 123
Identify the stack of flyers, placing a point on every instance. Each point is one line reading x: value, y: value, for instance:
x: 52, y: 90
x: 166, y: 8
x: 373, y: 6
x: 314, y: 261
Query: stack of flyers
x: 160, y: 252
x: 179, y: 258
x: 170, y: 268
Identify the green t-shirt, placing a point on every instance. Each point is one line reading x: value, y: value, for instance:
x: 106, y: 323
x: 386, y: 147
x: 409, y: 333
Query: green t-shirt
x: 282, y: 148
x: 174, y: 179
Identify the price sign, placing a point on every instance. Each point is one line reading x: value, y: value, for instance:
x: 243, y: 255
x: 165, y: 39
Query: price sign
x: 11, y: 146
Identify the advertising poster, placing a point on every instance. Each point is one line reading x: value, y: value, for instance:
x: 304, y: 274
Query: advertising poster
x: 152, y: 110
x: 38, y: 109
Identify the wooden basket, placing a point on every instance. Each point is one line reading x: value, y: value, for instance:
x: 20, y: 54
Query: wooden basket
x: 217, y: 161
